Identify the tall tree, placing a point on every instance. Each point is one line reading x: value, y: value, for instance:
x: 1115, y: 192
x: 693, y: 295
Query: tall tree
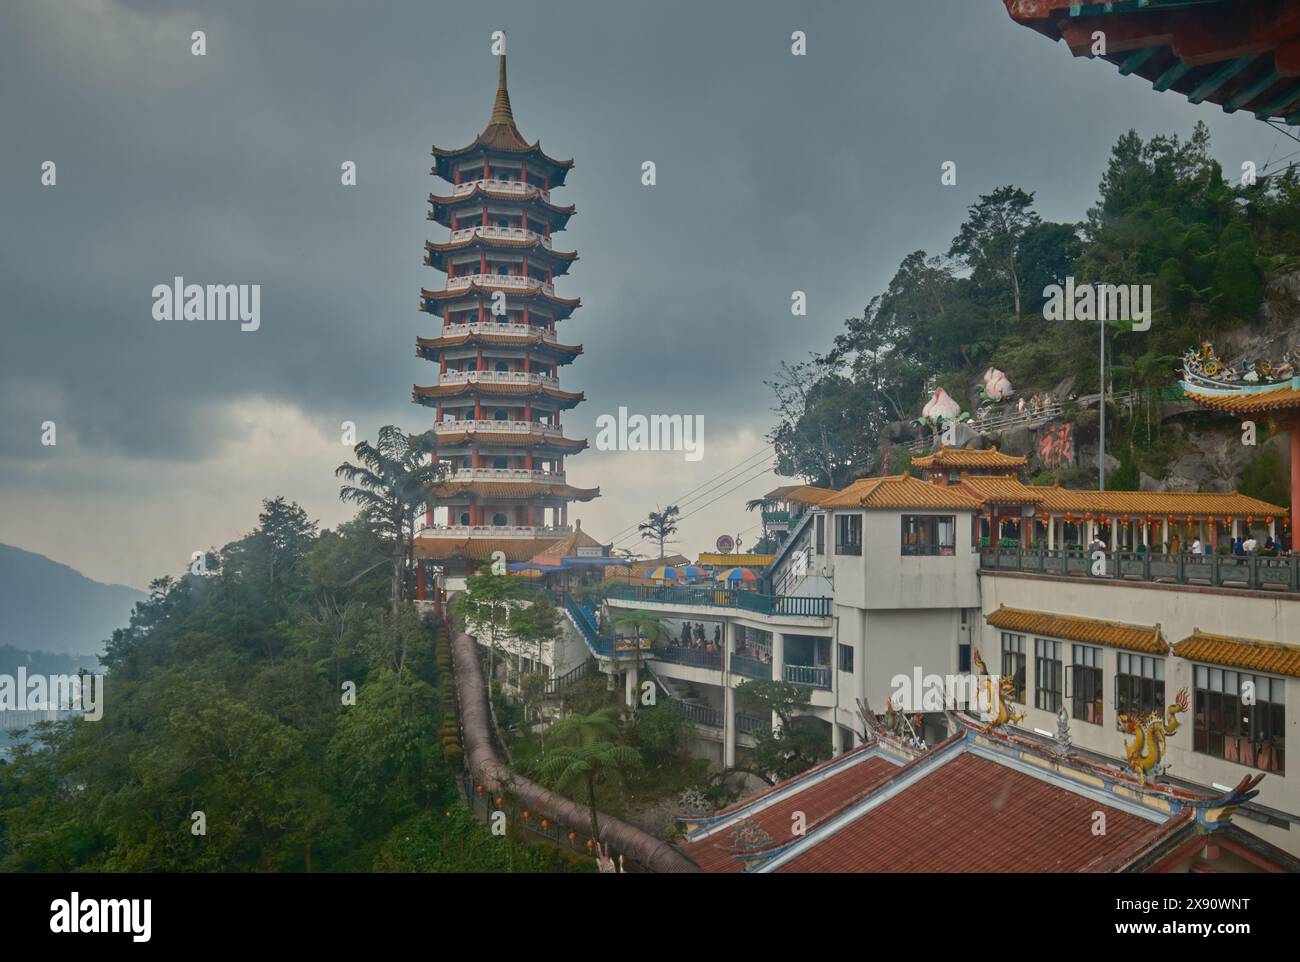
x: 989, y: 241
x: 391, y: 483
x: 660, y: 526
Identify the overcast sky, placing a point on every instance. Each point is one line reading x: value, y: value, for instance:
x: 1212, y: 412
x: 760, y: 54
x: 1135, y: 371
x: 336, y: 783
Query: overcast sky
x: 775, y: 173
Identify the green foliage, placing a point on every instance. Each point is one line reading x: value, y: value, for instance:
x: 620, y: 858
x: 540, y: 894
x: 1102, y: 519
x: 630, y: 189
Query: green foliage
x: 1266, y: 477
x: 452, y: 841
x: 799, y: 743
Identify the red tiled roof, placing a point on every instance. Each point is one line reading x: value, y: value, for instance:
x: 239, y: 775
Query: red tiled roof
x: 714, y: 852
x: 971, y: 814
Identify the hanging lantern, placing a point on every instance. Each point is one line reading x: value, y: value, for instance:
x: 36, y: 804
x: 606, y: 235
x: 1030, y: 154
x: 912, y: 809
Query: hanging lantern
x: 478, y: 789
x: 1269, y: 519
x: 525, y: 814
x: 573, y: 838
x: 501, y: 803
x: 1087, y: 516
x: 1189, y: 519
x: 591, y: 843
x: 1124, y: 519
x: 1069, y: 516
x: 546, y: 823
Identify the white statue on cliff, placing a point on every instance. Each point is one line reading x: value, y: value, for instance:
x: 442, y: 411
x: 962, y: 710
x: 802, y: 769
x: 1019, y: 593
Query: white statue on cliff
x: 994, y: 385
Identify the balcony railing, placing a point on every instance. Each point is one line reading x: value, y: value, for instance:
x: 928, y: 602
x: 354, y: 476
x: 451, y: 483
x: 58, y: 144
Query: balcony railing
x: 484, y: 426
x: 751, y: 667
x: 500, y: 187
x: 712, y: 717
x: 749, y: 724
x: 1254, y: 572
x: 510, y: 281
x: 493, y: 531
x: 811, y: 675
x: 496, y: 377
x: 506, y: 474
x: 691, y: 657
x: 781, y: 605
x: 503, y: 233
x: 487, y: 327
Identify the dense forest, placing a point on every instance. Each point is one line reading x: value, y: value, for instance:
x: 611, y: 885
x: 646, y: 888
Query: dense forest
x: 1165, y: 216
x: 273, y: 690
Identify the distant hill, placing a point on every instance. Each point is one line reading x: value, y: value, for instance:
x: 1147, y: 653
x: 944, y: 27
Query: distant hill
x: 46, y: 606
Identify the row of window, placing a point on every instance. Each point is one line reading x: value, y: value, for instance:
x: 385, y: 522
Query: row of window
x: 1237, y: 716
x: 922, y: 534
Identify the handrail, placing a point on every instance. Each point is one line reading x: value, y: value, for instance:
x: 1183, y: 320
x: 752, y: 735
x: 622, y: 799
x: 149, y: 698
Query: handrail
x: 1252, y: 572
x: 481, y: 759
x: 797, y: 606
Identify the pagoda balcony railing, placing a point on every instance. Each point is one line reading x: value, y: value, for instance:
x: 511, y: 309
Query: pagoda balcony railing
x: 517, y: 330
x: 493, y: 531
x: 510, y: 281
x: 500, y: 187
x: 484, y: 426
x: 497, y: 377
x: 506, y: 474
x: 1250, y: 572
x: 501, y: 233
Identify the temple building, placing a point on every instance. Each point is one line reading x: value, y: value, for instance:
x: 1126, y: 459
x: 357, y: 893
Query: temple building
x: 497, y: 401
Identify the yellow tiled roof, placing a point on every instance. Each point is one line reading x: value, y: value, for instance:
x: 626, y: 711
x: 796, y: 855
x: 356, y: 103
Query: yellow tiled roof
x: 1114, y: 634
x: 480, y: 549
x: 901, y: 491
x: 1158, y: 504
x: 1002, y: 490
x: 1249, y: 653
x: 800, y: 494
x: 567, y: 547
x: 1247, y: 402
x: 947, y: 457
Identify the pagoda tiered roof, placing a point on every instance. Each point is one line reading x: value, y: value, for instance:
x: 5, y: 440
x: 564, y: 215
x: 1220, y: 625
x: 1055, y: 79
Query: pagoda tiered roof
x: 901, y: 491
x: 479, y: 549
x: 503, y: 439
x: 530, y: 198
x: 566, y: 399
x: 1242, y: 56
x: 512, y: 491
x: 432, y: 347
x: 501, y: 136
x: 535, y: 291
x: 477, y: 240
x: 970, y: 459
x: 1285, y: 397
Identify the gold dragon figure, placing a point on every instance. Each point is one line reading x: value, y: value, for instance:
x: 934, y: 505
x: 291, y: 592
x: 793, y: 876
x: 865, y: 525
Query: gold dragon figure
x: 1150, y: 731
x: 999, y: 706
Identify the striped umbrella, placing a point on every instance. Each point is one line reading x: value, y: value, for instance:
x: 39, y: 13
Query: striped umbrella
x: 737, y: 574
x: 663, y: 573
x: 692, y: 571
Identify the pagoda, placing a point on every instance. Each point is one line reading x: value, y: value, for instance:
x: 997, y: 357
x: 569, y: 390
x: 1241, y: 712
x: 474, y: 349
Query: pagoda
x: 498, y: 401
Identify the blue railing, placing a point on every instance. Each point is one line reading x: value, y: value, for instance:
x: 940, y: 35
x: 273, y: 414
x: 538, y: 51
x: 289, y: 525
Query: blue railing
x: 586, y: 622
x: 812, y: 675
x: 751, y: 667
x: 781, y: 605
x: 1257, y: 572
x: 694, y: 657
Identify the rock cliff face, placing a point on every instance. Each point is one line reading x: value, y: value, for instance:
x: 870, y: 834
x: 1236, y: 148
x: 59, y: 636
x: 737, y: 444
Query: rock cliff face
x: 1190, y: 450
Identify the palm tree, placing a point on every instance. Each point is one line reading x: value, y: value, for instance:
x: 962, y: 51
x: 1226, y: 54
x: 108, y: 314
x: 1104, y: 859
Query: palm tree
x: 660, y: 526
x: 592, y: 764
x: 390, y: 483
x: 642, y: 624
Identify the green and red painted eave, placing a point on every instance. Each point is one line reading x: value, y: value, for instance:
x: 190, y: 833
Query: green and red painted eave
x: 1241, y: 56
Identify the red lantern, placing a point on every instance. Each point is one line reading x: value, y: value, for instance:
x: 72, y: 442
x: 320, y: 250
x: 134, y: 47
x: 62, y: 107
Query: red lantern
x: 1124, y: 519
x: 1069, y: 516
x: 591, y: 843
x: 501, y: 803
x: 1087, y: 516
x: 478, y: 789
x: 546, y: 823
x: 1250, y: 519
x: 525, y: 814
x: 573, y: 838
x: 1268, y: 520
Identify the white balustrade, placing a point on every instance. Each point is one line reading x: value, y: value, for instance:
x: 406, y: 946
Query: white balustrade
x: 484, y: 425
x: 509, y: 281
x: 501, y: 187
x: 519, y: 330
x: 492, y: 531
x: 500, y: 233
x: 506, y: 474
x: 496, y: 377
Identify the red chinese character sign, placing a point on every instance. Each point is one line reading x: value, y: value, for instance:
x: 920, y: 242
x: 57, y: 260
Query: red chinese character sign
x: 1056, y: 446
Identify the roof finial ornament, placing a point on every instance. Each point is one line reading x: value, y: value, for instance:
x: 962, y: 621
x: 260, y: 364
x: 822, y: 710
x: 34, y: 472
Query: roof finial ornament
x: 501, y: 113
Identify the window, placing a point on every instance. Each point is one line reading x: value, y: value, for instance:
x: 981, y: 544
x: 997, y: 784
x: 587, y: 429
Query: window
x: 848, y: 534
x: 1085, y: 684
x: 1047, y: 674
x: 1240, y: 718
x: 500, y: 463
x: 1139, y: 685
x: 500, y: 520
x: 502, y: 366
x: 501, y: 414
x: 929, y: 534
x: 821, y: 533
x: 464, y: 517
x: 1013, y: 663
x: 846, y: 658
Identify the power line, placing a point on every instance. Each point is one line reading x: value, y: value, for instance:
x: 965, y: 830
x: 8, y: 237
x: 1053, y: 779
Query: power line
x: 711, y: 482
x: 753, y: 477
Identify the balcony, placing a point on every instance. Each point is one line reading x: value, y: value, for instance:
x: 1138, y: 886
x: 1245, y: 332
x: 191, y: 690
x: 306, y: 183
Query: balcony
x: 499, y: 233
x: 513, y: 282
x: 485, y: 426
x: 1250, y: 572
x: 488, y: 327
x: 497, y: 377
x: 814, y: 676
x: 492, y: 531
x: 691, y: 657
x: 786, y: 606
x: 751, y: 667
x: 507, y: 474
x: 500, y: 187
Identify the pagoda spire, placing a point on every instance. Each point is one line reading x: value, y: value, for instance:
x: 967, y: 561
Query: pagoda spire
x: 501, y: 113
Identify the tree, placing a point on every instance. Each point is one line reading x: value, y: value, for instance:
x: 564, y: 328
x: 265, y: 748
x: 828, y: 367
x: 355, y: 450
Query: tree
x: 642, y: 624
x: 535, y: 624
x: 486, y: 606
x: 660, y: 527
x: 589, y: 764
x: 391, y: 483
x: 989, y: 241
x: 798, y: 743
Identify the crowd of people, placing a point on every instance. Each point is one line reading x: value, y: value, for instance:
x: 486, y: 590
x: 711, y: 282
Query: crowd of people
x: 693, y: 636
x: 1241, y: 547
